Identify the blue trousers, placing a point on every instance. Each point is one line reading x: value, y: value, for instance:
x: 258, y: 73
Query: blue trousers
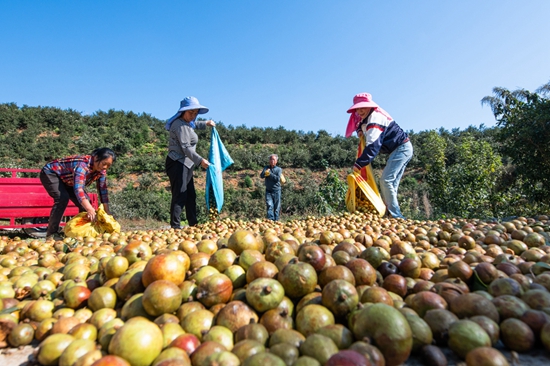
x: 273, y: 202
x: 391, y: 176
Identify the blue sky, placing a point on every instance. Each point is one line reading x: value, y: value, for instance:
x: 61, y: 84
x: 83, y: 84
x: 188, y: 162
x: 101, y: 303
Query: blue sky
x: 290, y: 63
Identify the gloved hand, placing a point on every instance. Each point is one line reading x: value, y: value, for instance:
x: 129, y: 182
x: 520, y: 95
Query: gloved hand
x: 267, y: 173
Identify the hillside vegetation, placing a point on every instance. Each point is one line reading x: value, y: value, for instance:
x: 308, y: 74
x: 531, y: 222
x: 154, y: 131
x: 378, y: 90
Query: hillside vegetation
x: 476, y: 172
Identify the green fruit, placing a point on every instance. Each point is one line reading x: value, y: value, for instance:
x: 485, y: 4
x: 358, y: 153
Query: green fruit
x: 225, y: 358
x: 247, y: 348
x: 161, y: 297
x: 198, y: 323
x: 288, y: 353
x: 139, y: 341
x: 102, y: 297
x: 290, y: 336
x: 173, y: 353
x: 466, y: 335
x: 77, y: 349
x: 264, y: 294
x: 340, y: 297
x: 421, y: 332
x: 319, y: 347
x: 313, y: 317
x: 51, y: 348
x: 264, y: 359
x: 340, y: 335
x: 254, y: 331
x: 298, y: 279
x: 306, y: 361
x: 221, y: 335
x: 21, y: 335
x: 388, y: 329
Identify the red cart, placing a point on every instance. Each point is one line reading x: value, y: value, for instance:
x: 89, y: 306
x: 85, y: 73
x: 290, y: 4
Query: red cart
x: 26, y: 205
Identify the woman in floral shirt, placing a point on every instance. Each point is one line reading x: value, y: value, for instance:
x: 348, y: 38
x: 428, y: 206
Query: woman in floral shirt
x: 64, y: 179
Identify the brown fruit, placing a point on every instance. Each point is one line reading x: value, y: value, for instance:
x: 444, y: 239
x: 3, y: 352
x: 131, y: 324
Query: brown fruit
x: 468, y: 305
x: 433, y: 356
x: 486, y: 356
x: 516, y: 335
x: 262, y: 269
x: 439, y: 321
x: 396, y: 283
x: 340, y: 297
x: 235, y: 314
x: 214, y: 289
x: 313, y: 255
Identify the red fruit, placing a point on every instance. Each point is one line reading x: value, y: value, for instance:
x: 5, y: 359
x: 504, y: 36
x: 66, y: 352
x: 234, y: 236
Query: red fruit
x: 348, y: 358
x: 187, y: 342
x: 76, y: 297
x: 313, y: 255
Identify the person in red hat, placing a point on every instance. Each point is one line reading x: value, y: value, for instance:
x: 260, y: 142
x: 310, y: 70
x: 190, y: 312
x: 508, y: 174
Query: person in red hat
x: 379, y: 133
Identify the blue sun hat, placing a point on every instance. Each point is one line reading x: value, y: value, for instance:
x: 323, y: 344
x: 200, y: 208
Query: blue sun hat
x: 185, y: 105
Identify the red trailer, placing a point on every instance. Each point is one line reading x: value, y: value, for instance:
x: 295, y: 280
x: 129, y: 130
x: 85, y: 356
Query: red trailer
x: 25, y: 203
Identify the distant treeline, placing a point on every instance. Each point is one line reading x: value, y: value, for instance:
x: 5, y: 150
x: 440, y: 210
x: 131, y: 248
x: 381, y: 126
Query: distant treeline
x: 475, y: 172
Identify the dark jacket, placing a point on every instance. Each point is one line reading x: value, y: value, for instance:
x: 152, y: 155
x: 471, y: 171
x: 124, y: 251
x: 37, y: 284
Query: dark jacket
x: 381, y: 136
x: 273, y: 181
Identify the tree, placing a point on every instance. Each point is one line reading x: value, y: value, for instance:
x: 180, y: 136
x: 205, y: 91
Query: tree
x: 473, y: 179
x: 434, y: 162
x: 524, y: 118
x: 331, y: 196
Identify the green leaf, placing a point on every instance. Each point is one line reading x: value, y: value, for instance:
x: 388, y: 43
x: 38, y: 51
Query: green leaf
x: 478, y: 284
x: 9, y: 310
x: 543, y: 265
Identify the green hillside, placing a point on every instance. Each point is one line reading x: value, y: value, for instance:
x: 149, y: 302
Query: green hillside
x: 476, y: 172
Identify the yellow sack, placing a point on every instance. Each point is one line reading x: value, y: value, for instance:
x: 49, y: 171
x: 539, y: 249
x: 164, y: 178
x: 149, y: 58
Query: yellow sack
x: 106, y: 222
x: 367, y: 187
x: 81, y: 226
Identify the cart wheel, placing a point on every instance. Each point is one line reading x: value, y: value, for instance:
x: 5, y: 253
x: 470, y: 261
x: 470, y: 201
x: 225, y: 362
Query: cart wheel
x: 35, y: 232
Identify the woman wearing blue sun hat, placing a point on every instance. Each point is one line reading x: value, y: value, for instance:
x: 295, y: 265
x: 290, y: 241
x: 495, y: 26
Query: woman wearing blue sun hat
x: 182, y: 159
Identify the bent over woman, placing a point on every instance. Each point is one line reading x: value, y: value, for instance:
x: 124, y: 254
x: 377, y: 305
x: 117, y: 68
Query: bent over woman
x: 64, y: 179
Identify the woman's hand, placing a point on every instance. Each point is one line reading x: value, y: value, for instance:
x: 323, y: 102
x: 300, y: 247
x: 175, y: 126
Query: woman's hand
x: 211, y: 123
x: 91, y: 215
x: 205, y: 163
x: 90, y: 210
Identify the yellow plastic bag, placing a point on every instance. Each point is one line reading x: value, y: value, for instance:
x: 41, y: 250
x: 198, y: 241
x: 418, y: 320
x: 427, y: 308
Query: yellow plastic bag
x: 283, y: 179
x: 368, y: 188
x: 106, y: 222
x: 80, y: 226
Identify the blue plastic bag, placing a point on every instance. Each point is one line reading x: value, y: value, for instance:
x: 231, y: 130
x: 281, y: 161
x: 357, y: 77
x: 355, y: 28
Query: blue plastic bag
x: 219, y: 161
